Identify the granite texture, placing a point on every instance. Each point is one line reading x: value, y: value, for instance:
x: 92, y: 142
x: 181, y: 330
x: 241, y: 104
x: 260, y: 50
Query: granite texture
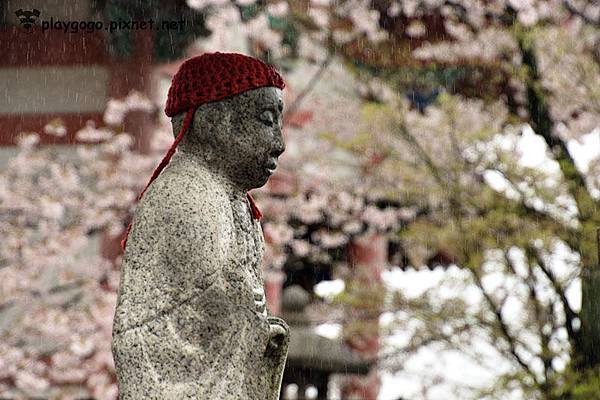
x: 191, y: 319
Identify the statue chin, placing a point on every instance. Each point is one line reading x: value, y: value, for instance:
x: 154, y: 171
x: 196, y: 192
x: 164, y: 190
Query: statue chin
x: 267, y: 176
x: 261, y: 180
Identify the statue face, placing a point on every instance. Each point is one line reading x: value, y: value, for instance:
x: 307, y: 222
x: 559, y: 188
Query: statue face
x: 253, y: 141
x: 239, y: 137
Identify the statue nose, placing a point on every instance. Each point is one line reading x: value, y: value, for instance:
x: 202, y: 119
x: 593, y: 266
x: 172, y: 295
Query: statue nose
x: 278, y: 145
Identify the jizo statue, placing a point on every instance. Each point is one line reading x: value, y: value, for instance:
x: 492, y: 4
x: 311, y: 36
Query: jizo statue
x: 191, y: 319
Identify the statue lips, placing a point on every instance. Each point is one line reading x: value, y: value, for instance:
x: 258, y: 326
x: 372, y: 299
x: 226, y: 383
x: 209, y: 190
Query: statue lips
x: 271, y: 166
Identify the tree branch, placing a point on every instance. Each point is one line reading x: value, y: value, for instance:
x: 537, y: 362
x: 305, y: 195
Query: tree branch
x: 404, y: 133
x: 570, y: 314
x: 564, y: 232
x: 543, y: 125
x: 310, y: 85
x: 503, y: 327
x: 542, y: 317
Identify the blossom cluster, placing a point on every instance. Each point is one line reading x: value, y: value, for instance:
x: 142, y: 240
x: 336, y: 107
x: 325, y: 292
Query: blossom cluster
x: 57, y: 291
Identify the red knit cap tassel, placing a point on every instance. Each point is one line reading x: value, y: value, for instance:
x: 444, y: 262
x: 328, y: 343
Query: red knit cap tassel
x: 163, y: 163
x: 256, y: 214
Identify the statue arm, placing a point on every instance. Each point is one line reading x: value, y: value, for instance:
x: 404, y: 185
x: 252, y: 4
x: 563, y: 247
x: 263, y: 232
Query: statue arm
x: 199, y: 238
x: 206, y: 319
x: 196, y: 240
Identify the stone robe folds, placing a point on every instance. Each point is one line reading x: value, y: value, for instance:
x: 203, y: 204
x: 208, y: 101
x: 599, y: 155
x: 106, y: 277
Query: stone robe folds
x: 191, y: 320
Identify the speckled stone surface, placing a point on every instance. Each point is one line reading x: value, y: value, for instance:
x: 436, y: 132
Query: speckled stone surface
x: 191, y: 319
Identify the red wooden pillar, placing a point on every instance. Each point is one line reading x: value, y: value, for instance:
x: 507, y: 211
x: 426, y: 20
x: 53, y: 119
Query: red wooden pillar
x: 135, y: 73
x: 283, y: 183
x: 273, y: 289
x: 367, y: 257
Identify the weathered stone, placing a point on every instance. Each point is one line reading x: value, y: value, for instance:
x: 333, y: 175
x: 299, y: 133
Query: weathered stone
x: 191, y: 319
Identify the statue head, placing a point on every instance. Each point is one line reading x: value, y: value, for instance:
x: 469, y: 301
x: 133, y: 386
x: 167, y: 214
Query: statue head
x: 231, y: 105
x: 236, y: 102
x: 239, y: 137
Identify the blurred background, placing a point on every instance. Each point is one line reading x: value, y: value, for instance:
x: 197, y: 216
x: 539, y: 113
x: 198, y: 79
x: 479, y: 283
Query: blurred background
x: 431, y: 229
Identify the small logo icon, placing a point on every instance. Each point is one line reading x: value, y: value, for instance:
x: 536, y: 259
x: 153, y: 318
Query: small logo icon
x: 27, y: 17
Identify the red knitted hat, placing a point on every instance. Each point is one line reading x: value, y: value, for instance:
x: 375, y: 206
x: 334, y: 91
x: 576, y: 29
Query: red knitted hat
x: 216, y: 76
x: 206, y: 78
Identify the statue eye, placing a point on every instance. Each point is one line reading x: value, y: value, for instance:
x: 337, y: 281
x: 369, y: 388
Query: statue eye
x: 267, y: 117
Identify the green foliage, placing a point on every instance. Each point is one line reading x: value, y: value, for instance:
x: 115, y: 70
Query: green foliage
x: 120, y: 43
x: 579, y: 385
x: 286, y: 26
x: 249, y: 12
x: 364, y: 301
x: 425, y: 78
x: 169, y: 44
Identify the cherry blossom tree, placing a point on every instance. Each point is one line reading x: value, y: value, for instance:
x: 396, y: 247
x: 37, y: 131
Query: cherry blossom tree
x: 57, y: 292
x: 502, y: 67
x: 531, y: 63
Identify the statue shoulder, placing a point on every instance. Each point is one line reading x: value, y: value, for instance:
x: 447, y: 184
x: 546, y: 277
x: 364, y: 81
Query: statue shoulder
x: 180, y: 191
x: 194, y: 215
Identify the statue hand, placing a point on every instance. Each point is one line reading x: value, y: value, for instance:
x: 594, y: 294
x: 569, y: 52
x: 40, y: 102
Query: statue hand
x: 279, y: 336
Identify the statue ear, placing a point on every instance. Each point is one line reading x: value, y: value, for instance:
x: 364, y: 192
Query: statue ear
x: 211, y: 125
x: 218, y: 122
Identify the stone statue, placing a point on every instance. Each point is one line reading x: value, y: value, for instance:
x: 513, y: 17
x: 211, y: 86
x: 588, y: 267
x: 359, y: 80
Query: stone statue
x: 191, y: 319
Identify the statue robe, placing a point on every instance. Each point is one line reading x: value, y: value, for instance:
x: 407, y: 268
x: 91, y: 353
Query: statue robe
x: 191, y: 319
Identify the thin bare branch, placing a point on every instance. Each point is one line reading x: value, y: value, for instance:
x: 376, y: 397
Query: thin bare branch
x: 310, y: 85
x: 570, y: 314
x: 510, y: 340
